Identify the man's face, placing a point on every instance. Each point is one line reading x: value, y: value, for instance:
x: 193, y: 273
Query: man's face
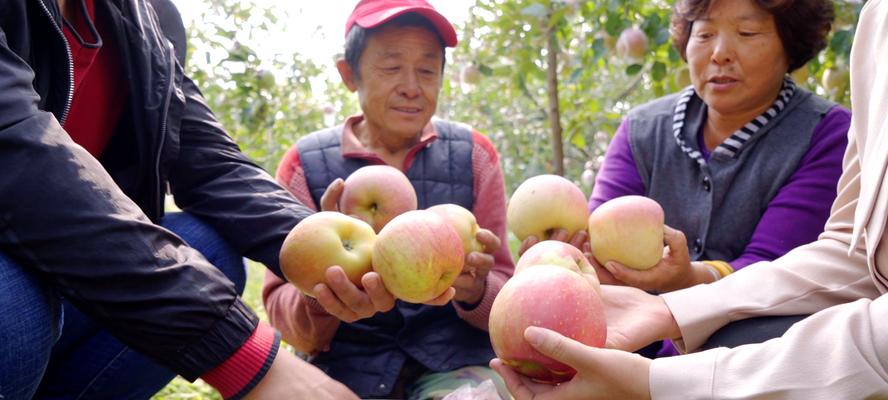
x: 400, y: 76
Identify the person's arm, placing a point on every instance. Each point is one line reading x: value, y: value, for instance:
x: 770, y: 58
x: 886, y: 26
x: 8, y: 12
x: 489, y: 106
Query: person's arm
x: 64, y: 218
x: 838, y: 353
x: 490, y: 212
x: 806, y: 197
x: 618, y: 175
x: 303, y: 322
x: 214, y: 180
x: 805, y: 280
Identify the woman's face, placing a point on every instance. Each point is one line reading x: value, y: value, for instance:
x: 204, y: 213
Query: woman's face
x: 736, y: 58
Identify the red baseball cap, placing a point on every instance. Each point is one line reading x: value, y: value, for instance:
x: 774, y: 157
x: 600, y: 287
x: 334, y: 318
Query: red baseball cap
x: 370, y: 13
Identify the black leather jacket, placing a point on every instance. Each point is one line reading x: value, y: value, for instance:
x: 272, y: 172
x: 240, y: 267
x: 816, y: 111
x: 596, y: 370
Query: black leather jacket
x: 86, y: 225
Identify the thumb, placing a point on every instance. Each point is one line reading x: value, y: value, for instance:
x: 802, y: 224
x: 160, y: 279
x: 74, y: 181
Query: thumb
x: 330, y: 198
x: 674, y: 238
x: 557, y: 346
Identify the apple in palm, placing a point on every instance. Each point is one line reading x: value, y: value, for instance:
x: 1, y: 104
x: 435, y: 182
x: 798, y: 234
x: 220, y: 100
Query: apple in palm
x: 418, y: 255
x: 463, y: 221
x: 376, y: 194
x: 628, y: 230
x: 545, y: 203
x: 323, y: 240
x: 551, y: 297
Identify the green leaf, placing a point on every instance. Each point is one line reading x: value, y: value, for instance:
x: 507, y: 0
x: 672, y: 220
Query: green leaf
x: 575, y: 75
x: 614, y: 23
x: 485, y: 70
x: 841, y: 42
x: 633, y: 69
x: 658, y: 71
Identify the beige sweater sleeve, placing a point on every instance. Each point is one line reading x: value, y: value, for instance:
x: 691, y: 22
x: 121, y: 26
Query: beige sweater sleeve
x: 838, y: 353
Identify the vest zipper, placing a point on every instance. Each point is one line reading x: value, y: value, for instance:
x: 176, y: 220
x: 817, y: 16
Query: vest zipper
x: 70, y: 63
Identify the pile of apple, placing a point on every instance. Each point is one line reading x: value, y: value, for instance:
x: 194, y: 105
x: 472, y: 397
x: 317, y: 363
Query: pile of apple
x: 555, y: 285
x: 417, y: 253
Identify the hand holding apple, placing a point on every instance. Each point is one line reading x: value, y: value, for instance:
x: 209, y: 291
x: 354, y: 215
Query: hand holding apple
x: 472, y: 281
x: 347, y: 301
x: 551, y: 297
x: 323, y: 240
x: 628, y: 230
x: 601, y: 373
x: 674, y: 271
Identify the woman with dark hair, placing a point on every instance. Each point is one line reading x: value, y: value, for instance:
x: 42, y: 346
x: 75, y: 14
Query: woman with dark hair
x: 839, y: 352
x: 744, y: 163
x: 739, y: 154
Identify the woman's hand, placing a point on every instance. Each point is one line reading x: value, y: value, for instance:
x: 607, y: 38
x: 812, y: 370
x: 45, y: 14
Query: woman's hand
x: 674, y: 271
x: 636, y: 318
x: 601, y: 373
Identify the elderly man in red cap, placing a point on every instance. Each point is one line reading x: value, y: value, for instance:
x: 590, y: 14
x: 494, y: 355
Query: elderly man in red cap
x: 380, y: 347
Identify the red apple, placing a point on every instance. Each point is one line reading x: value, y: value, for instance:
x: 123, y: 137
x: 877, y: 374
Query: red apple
x: 632, y: 44
x: 551, y: 297
x: 418, y: 255
x: 376, y: 194
x: 544, y: 203
x: 470, y: 74
x: 463, y: 221
x: 628, y: 230
x: 554, y: 252
x: 323, y: 240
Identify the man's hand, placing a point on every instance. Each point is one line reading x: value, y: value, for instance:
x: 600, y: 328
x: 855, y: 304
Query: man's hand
x: 346, y: 301
x: 291, y: 378
x: 330, y: 198
x: 601, y: 373
x: 472, y: 282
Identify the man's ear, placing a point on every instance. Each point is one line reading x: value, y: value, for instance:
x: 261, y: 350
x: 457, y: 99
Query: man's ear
x: 347, y: 74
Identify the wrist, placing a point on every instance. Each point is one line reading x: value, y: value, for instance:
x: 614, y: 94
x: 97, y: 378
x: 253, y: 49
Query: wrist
x: 670, y: 329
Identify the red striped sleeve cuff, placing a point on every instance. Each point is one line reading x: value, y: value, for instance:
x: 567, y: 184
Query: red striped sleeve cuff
x: 241, y: 372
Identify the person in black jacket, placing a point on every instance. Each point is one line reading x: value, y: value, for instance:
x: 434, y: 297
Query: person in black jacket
x: 97, y: 123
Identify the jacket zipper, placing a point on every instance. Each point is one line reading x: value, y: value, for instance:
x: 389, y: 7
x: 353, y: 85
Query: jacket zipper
x: 70, y: 63
x: 163, y: 124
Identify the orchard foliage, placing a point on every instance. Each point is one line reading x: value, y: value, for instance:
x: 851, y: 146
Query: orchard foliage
x: 506, y: 41
x: 497, y: 80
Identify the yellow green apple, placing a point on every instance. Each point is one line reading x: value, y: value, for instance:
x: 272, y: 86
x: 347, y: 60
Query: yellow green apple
x: 323, y: 240
x: 463, y: 221
x: 545, y: 203
x: 628, y: 230
x: 418, y: 255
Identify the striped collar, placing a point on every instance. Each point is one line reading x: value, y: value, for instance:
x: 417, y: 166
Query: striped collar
x: 732, y: 145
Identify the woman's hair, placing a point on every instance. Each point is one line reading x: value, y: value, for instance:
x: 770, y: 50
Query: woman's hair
x: 802, y: 25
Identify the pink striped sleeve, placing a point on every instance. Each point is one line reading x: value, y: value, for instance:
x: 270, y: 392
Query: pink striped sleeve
x: 490, y: 210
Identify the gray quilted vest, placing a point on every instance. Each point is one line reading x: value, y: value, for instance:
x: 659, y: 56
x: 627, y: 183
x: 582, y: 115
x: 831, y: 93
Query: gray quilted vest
x: 719, y: 204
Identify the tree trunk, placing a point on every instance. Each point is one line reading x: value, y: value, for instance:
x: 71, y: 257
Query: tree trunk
x: 554, y: 109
